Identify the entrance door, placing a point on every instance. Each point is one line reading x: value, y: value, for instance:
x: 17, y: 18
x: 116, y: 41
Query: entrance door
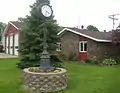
x: 11, y: 45
x: 82, y: 50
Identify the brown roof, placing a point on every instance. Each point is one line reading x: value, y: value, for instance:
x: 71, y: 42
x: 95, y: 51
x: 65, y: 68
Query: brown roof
x: 17, y: 24
x: 95, y: 34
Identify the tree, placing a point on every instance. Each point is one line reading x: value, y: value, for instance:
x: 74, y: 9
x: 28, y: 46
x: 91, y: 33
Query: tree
x: 2, y: 27
x: 116, y: 36
x: 92, y: 28
x: 31, y: 45
x: 20, y: 19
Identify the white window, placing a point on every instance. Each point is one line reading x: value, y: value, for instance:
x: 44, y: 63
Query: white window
x: 83, y: 46
x: 59, y: 47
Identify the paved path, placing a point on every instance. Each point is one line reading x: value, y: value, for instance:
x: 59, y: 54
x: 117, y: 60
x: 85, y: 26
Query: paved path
x: 3, y: 55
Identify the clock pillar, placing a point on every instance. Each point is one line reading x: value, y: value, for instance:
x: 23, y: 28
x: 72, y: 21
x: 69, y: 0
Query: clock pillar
x: 45, y: 65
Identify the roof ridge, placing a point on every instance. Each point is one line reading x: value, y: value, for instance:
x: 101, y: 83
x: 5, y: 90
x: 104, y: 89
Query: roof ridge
x: 97, y: 36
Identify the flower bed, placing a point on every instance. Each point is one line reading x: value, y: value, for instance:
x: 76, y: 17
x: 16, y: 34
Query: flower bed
x: 45, y: 82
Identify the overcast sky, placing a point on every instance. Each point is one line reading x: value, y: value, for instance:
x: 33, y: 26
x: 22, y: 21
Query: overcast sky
x: 67, y: 12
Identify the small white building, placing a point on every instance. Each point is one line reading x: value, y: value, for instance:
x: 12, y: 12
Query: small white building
x: 10, y: 38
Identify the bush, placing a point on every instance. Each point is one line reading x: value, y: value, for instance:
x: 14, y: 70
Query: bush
x: 1, y: 48
x: 89, y: 61
x: 117, y: 59
x: 61, y: 56
x: 72, y: 57
x: 55, y: 62
x: 93, y: 60
x: 26, y: 64
x: 109, y: 62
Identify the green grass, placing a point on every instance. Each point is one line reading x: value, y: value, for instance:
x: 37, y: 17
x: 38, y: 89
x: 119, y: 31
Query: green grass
x: 10, y: 76
x: 81, y: 78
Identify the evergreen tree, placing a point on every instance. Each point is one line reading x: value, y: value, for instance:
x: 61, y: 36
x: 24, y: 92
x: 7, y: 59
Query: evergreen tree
x: 2, y: 27
x: 33, y: 28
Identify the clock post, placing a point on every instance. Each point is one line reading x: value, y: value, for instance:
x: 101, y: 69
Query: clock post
x: 45, y: 65
x: 45, y: 78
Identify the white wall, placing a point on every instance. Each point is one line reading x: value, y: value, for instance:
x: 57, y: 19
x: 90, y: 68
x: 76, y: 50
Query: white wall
x: 3, y: 40
x: 7, y: 45
x: 16, y: 43
x: 11, y: 44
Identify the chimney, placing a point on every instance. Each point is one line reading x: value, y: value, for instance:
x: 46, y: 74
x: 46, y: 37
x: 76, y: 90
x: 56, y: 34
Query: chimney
x: 82, y: 27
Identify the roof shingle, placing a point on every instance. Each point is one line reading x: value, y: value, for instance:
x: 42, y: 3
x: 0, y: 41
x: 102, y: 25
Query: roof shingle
x: 94, y: 34
x: 17, y: 24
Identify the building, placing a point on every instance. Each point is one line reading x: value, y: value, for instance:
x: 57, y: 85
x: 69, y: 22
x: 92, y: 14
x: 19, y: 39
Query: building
x: 10, y: 38
x: 80, y: 43
x: 84, y: 44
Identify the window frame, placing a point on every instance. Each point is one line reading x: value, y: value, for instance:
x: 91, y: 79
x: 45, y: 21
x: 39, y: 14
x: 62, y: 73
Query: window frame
x: 16, y: 47
x: 80, y: 49
x: 59, y: 47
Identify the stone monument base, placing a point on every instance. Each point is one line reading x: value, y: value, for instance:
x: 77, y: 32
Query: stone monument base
x: 44, y: 82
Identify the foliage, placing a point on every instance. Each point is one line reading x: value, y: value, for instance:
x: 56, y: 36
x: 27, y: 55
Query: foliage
x: 20, y: 19
x: 36, y: 69
x: 116, y: 58
x: 88, y: 61
x: 33, y: 27
x: 1, y: 48
x: 61, y: 55
x: 72, y: 57
x: 116, y: 37
x: 2, y: 27
x: 92, y: 28
x: 55, y: 61
x: 92, y: 61
x: 109, y: 62
x: 26, y: 64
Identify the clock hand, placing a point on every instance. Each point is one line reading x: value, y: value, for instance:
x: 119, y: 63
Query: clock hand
x: 48, y: 12
x: 45, y: 12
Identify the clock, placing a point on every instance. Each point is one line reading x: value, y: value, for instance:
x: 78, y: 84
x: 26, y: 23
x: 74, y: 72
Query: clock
x: 46, y: 10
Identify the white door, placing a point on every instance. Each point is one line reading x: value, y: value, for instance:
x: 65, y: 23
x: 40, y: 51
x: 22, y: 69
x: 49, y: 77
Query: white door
x: 16, y: 44
x: 11, y: 45
x: 6, y: 45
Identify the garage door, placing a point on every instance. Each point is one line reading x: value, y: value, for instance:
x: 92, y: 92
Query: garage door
x: 11, y: 45
x: 16, y: 44
x: 6, y: 45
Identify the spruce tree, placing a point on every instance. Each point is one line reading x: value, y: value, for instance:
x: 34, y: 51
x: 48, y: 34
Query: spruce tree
x: 31, y: 44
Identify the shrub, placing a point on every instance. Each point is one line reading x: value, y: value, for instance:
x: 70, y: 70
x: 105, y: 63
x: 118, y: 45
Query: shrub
x: 116, y: 58
x: 91, y: 61
x: 109, y: 62
x: 1, y: 48
x: 61, y: 56
x: 26, y: 64
x: 88, y: 61
x: 55, y: 62
x: 72, y: 57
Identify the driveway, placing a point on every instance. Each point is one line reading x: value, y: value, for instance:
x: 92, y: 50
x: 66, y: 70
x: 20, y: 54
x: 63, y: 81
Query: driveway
x: 3, y: 55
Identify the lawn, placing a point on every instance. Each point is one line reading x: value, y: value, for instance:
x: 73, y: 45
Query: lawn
x: 81, y: 78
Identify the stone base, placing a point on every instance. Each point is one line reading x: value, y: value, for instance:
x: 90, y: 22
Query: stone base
x: 45, y: 82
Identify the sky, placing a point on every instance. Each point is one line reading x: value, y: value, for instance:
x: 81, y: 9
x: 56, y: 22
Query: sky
x: 68, y: 13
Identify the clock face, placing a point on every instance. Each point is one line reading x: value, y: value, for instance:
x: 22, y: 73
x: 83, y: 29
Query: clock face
x: 46, y: 10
